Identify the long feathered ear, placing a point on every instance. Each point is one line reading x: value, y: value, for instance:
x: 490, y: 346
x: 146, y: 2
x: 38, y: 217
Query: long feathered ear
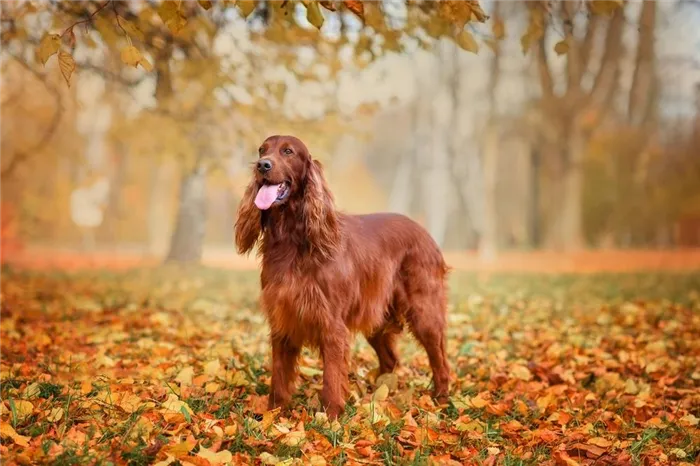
x: 248, y: 221
x: 320, y: 218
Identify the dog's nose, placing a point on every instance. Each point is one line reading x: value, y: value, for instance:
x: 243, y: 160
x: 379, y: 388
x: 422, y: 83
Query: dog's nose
x: 264, y: 165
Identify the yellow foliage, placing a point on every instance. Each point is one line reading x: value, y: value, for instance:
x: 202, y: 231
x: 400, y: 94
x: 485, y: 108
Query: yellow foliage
x: 131, y: 56
x: 498, y: 29
x: 130, y: 28
x: 48, y: 46
x: 466, y: 41
x: 169, y: 12
x: 313, y: 13
x: 561, y: 47
x: 67, y: 65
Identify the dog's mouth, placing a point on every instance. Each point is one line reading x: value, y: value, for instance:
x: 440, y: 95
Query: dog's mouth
x: 268, y: 194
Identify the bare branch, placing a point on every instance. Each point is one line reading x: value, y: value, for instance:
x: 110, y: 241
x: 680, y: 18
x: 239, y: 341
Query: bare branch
x: 21, y: 156
x: 574, y: 66
x: 610, y: 62
x: 592, y: 28
x: 545, y: 73
x: 641, y: 95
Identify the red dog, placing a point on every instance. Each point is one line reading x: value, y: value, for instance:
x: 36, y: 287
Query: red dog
x: 326, y: 275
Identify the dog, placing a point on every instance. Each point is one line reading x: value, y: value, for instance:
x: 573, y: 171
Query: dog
x: 327, y: 275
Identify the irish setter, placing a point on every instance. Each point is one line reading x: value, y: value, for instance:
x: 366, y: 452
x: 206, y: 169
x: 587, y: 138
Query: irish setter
x: 327, y: 275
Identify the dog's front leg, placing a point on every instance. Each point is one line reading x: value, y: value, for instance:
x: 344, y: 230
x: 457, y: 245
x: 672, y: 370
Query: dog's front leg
x: 335, y: 349
x: 284, y: 370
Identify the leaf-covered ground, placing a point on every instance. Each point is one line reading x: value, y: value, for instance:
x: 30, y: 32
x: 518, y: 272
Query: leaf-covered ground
x: 166, y: 367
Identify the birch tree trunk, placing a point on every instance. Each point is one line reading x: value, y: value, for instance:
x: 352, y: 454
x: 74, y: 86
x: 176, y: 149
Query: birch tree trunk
x: 158, y: 218
x: 488, y: 245
x: 188, y: 236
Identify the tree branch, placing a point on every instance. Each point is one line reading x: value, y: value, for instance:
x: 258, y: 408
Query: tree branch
x: 574, y: 68
x: 610, y: 62
x: 641, y: 95
x: 545, y: 74
x: 592, y: 28
x: 21, y: 156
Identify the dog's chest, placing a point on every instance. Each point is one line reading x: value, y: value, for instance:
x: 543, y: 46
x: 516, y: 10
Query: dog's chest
x: 296, y: 305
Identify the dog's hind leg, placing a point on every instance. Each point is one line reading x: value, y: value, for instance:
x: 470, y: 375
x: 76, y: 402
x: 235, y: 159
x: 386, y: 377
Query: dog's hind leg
x: 384, y: 343
x: 427, y: 319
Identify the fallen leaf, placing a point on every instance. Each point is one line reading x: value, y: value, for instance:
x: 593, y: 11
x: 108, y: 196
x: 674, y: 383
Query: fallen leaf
x: 562, y: 458
x: 316, y: 460
x: 212, y: 387
x: 22, y: 408
x: 521, y: 372
x: 239, y: 379
x: 212, y: 367
x: 55, y: 415
x: 391, y: 380
x: 185, y: 376
x: 600, y: 442
x: 31, y: 391
x: 181, y: 449
x: 221, y: 457
x: 267, y: 458
x: 6, y: 430
x: 381, y: 394
x: 678, y: 453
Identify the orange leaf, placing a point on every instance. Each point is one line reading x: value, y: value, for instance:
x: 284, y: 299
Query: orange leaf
x: 545, y: 435
x: 356, y: 7
x: 562, y: 458
x: 592, y: 451
x: 6, y: 430
x: 600, y: 442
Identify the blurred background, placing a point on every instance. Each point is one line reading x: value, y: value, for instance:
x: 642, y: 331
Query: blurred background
x: 129, y: 128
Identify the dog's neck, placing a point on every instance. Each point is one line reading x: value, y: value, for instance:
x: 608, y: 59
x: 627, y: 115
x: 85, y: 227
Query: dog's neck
x: 286, y: 236
x: 283, y: 230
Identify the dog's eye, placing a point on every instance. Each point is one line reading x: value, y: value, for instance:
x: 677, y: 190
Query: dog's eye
x: 288, y: 151
x: 261, y: 151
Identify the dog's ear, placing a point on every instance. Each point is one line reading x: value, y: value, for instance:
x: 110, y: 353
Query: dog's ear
x: 320, y: 217
x: 248, y: 221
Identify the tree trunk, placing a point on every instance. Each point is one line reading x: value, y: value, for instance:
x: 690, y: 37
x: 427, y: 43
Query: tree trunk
x: 534, y: 206
x: 640, y: 109
x: 158, y: 221
x: 113, y: 211
x: 488, y: 244
x: 400, y: 196
x: 188, y: 236
x: 572, y: 201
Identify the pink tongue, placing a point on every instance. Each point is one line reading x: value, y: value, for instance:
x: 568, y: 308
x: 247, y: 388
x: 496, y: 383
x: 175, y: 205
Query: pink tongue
x: 267, y: 194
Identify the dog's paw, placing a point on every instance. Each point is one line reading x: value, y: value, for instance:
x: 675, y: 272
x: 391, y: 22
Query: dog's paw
x: 334, y: 411
x: 442, y: 399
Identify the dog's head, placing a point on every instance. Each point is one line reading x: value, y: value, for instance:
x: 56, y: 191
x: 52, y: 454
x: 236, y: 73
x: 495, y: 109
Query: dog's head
x: 285, y: 175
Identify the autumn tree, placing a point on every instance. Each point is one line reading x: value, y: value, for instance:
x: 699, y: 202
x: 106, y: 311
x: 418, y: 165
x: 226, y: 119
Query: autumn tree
x: 587, y: 38
x: 166, y: 40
